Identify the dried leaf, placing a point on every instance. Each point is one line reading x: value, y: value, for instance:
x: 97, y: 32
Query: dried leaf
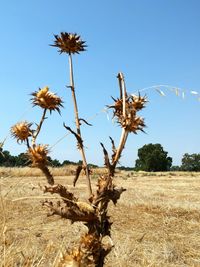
x: 85, y: 207
x: 78, y: 137
x: 85, y: 122
x: 78, y: 171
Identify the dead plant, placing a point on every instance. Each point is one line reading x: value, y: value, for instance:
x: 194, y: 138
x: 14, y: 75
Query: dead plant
x: 95, y: 245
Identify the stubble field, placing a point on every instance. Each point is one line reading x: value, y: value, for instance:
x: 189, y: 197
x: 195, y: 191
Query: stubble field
x: 155, y: 223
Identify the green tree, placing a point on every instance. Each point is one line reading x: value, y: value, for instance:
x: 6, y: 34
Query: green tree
x: 53, y: 162
x: 191, y: 162
x: 6, y: 159
x: 21, y: 160
x: 152, y: 157
x: 68, y: 162
x: 175, y: 168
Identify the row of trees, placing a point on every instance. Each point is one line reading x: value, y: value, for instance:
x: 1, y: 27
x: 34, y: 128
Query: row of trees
x: 151, y: 157
x: 8, y: 160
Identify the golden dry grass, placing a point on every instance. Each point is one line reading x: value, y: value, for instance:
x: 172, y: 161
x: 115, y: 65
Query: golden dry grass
x: 35, y: 172
x: 156, y: 222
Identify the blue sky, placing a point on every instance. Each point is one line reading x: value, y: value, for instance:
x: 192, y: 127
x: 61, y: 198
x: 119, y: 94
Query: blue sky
x: 151, y: 41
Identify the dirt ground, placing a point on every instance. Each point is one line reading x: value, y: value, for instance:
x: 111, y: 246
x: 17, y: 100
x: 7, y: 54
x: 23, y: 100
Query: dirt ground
x: 155, y: 223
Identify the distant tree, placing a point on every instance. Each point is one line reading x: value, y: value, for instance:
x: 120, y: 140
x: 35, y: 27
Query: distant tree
x: 6, y: 159
x: 175, y: 168
x: 53, y: 162
x: 68, y: 162
x: 152, y: 157
x: 91, y: 165
x: 191, y: 162
x: 21, y: 160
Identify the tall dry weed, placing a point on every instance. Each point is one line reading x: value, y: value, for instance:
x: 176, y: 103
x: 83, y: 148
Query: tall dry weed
x: 96, y: 243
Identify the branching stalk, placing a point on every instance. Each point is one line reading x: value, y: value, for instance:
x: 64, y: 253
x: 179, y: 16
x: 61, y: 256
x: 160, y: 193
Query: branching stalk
x: 78, y: 128
x: 39, y: 127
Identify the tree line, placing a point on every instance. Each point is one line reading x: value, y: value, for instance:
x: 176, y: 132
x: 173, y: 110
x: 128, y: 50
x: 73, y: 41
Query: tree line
x: 151, y: 158
x: 21, y: 160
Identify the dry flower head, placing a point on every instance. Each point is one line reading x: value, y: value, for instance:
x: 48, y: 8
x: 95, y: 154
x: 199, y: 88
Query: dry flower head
x: 46, y: 99
x: 134, y: 124
x: 131, y: 122
x: 69, y: 43
x: 138, y: 101
x: 21, y: 131
x: 38, y: 155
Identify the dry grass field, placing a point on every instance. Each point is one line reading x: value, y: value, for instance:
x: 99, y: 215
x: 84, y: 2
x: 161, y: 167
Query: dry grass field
x: 156, y: 221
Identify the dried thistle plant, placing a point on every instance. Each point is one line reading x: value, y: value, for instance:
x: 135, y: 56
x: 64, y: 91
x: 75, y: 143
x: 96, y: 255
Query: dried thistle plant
x: 93, y: 247
x: 22, y: 131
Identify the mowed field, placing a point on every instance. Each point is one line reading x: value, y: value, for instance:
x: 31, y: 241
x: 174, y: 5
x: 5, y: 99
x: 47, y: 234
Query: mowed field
x: 155, y: 223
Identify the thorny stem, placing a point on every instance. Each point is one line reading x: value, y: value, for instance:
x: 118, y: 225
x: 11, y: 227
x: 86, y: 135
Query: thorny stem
x: 103, y: 204
x: 78, y: 124
x: 39, y: 127
x: 122, y: 142
x: 124, y: 133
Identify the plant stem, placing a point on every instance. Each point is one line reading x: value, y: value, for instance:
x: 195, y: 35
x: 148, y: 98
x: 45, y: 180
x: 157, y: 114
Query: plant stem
x: 120, y: 148
x: 39, y: 127
x: 124, y: 133
x: 78, y: 129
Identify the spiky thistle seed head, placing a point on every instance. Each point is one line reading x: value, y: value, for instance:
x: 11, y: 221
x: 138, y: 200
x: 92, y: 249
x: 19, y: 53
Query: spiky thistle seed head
x: 138, y: 101
x: 117, y: 107
x: 38, y: 155
x: 129, y: 121
x: 21, y: 131
x: 69, y: 43
x: 86, y: 255
x: 46, y: 99
x: 134, y: 124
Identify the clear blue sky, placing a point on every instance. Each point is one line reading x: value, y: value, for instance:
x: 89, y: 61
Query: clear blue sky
x: 151, y: 41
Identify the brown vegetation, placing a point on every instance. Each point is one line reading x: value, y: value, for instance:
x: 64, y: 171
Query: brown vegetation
x: 156, y: 222
x: 92, y: 212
